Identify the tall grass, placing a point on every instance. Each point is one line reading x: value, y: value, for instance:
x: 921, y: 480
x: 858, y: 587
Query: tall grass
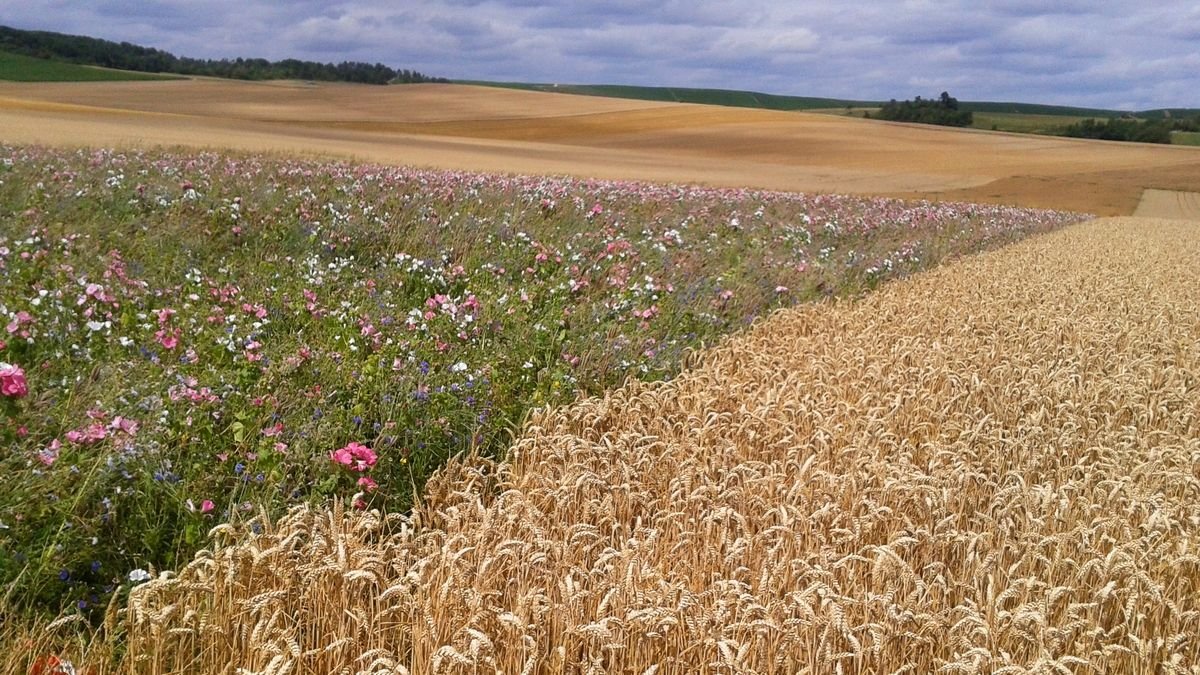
x: 989, y: 468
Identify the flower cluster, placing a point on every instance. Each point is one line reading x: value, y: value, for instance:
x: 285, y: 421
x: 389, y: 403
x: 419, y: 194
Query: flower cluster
x: 12, y: 381
x: 355, y: 456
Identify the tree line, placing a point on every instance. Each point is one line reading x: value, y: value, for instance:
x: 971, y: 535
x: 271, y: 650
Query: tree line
x: 1132, y: 129
x: 125, y: 56
x: 943, y: 110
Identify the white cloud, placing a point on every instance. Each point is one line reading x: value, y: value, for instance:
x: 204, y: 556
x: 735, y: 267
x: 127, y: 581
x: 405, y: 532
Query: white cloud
x: 1084, y: 52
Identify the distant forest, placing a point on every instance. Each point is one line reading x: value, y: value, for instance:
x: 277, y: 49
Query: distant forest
x: 944, y: 110
x: 1140, y: 131
x: 125, y: 56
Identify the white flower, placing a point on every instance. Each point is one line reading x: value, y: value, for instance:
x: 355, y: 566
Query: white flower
x: 139, y: 575
x: 458, y: 367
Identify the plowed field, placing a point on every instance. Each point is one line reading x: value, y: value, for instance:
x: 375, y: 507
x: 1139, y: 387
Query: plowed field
x: 463, y: 127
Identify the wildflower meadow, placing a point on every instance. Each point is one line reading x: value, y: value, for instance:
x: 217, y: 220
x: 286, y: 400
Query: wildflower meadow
x: 188, y: 339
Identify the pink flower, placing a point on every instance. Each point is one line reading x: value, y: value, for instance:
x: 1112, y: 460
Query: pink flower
x: 365, y: 458
x: 22, y: 318
x: 169, y: 340
x: 125, y: 424
x: 87, y: 435
x: 12, y: 381
x: 342, y: 456
x: 207, y: 505
x: 367, y: 483
x: 48, y: 455
x: 355, y: 456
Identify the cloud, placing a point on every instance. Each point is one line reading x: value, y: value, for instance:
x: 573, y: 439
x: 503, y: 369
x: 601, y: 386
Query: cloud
x: 1083, y: 52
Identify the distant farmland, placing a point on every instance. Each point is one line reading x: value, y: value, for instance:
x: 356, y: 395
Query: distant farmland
x: 1026, y: 118
x: 725, y: 97
x: 509, y: 130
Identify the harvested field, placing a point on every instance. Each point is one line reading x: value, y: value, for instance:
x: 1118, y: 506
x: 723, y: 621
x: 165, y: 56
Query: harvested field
x: 990, y: 467
x: 483, y: 128
x: 1169, y: 204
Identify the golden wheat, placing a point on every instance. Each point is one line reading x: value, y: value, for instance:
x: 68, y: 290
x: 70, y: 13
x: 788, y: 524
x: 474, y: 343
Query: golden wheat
x: 991, y: 468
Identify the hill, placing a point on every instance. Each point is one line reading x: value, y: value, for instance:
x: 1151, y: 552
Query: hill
x: 755, y: 99
x: 508, y: 130
x: 1037, y: 109
x: 21, y: 68
x: 726, y: 97
x: 83, y: 50
x: 999, y: 115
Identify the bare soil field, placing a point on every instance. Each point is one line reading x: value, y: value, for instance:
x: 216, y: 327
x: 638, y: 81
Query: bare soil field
x: 481, y: 128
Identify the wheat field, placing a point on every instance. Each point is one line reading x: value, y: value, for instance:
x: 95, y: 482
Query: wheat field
x: 993, y: 467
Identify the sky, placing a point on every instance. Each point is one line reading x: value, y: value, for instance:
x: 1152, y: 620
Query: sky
x: 1093, y: 53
